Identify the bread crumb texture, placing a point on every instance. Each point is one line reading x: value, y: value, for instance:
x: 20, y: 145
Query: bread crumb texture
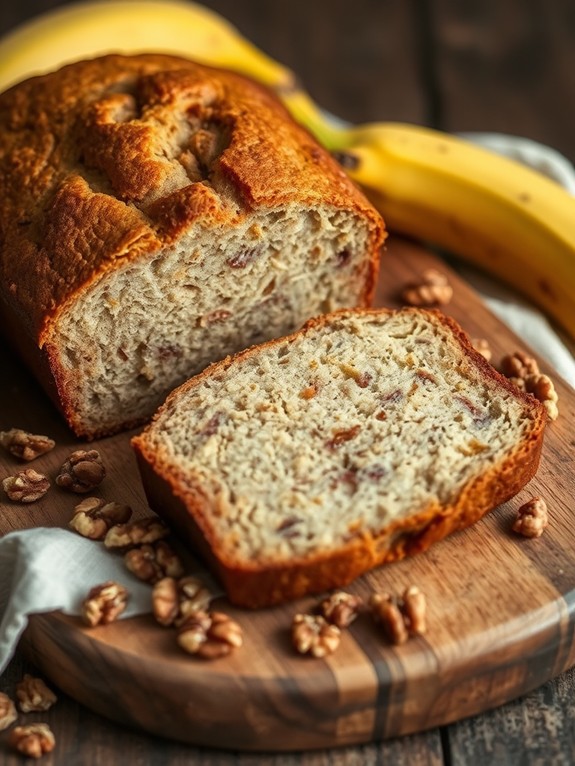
x: 157, y: 215
x: 404, y: 415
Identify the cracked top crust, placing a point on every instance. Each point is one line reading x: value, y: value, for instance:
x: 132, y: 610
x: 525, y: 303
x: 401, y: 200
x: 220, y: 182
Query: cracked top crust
x: 117, y: 156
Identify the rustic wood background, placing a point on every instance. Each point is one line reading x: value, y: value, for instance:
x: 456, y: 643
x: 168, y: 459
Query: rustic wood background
x: 452, y: 64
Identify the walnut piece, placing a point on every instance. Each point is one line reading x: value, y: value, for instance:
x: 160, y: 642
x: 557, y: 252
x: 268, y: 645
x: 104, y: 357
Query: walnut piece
x: 532, y: 518
x: 93, y: 517
x: 542, y: 388
x: 193, y: 595
x: 142, y: 532
x: 26, y: 486
x: 165, y: 601
x: 433, y: 289
x: 33, y: 740
x: 414, y: 608
x: 82, y: 472
x: 523, y: 371
x: 209, y: 635
x: 152, y: 562
x: 519, y: 365
x: 173, y: 601
x: 340, y: 608
x: 104, y: 603
x: 401, y: 618
x: 481, y: 345
x: 25, y: 445
x: 313, y: 634
x: 33, y: 695
x: 8, y: 712
x: 387, y: 612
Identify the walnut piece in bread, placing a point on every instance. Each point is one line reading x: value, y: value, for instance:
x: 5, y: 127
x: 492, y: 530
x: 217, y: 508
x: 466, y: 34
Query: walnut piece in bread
x: 157, y: 215
x: 282, y: 507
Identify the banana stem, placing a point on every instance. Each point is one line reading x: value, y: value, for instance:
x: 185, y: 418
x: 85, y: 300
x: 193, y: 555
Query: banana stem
x: 305, y: 111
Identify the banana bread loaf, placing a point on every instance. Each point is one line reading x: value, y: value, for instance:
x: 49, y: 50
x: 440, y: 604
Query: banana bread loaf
x: 368, y: 435
x: 157, y: 215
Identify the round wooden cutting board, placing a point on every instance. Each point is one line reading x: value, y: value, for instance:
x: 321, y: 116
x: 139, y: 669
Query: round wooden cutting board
x: 500, y: 607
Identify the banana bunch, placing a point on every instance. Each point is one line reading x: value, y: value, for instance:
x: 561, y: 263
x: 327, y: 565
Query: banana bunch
x: 507, y: 219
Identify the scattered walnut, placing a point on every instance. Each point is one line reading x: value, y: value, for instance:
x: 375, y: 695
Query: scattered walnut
x: 434, y: 288
x: 532, y: 518
x: 414, y: 610
x: 104, y: 603
x: 524, y: 372
x: 33, y: 740
x: 193, y: 595
x: 313, y: 634
x: 33, y: 695
x: 25, y: 445
x: 8, y: 712
x: 482, y: 347
x: 165, y: 601
x: 209, y: 635
x: 173, y: 601
x: 93, y: 517
x: 152, y: 562
x: 340, y: 608
x: 194, y: 631
x: 82, y: 471
x: 542, y: 388
x: 401, y: 618
x: 519, y: 365
x: 142, y: 532
x: 26, y: 486
x: 387, y: 612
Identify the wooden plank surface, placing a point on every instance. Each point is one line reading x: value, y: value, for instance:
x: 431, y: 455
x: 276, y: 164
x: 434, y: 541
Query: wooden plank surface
x: 488, y: 640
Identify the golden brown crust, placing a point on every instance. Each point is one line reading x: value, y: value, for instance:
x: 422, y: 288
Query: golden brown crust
x: 84, y: 183
x: 180, y: 499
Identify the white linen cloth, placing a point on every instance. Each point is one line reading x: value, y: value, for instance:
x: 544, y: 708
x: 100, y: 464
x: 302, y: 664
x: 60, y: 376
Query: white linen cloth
x: 42, y: 570
x: 45, y: 569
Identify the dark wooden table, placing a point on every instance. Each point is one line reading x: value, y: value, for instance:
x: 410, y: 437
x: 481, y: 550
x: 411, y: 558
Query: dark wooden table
x: 456, y: 65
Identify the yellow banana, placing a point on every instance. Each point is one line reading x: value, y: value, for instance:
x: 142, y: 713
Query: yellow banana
x: 509, y: 220
x: 131, y: 26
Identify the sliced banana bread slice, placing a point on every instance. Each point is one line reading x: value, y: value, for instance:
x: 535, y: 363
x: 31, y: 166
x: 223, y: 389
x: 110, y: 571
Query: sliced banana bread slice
x: 299, y: 464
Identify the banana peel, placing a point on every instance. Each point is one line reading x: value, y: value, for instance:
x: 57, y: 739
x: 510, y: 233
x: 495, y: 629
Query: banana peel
x: 505, y: 218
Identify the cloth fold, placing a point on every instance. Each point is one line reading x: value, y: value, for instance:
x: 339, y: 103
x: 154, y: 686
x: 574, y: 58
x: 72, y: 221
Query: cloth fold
x: 46, y: 569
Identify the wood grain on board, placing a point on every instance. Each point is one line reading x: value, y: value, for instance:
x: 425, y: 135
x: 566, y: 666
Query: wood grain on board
x: 501, y: 613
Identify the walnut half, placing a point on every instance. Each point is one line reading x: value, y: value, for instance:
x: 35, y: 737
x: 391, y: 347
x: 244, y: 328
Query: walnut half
x: 143, y: 532
x: 401, y: 618
x: 152, y: 562
x: 104, y: 603
x: 82, y: 472
x: 26, y: 486
x: 340, y: 608
x: 93, y: 517
x: 173, y: 601
x: 432, y: 289
x: 532, y: 518
x: 209, y: 635
x: 25, y: 445
x: 313, y: 634
x: 33, y: 695
x: 33, y: 740
x: 8, y: 712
